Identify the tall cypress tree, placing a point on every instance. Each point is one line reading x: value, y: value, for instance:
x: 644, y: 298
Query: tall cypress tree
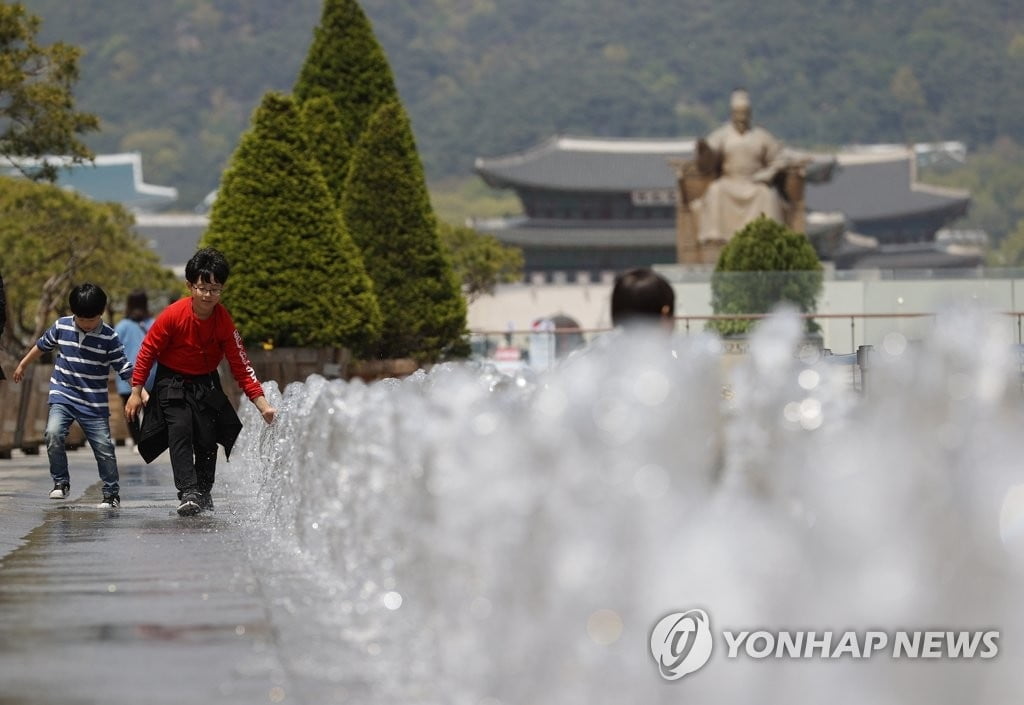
x: 328, y: 130
x: 387, y: 209
x: 297, y: 277
x: 346, y: 63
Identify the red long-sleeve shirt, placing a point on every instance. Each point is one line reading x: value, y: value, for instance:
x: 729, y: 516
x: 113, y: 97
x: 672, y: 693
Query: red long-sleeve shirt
x: 180, y: 340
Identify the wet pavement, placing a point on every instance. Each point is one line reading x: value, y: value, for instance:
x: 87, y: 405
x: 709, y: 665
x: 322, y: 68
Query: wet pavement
x: 134, y: 605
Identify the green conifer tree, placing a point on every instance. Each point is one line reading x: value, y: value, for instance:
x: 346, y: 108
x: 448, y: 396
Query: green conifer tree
x: 346, y: 63
x: 387, y: 210
x: 327, y: 130
x: 297, y: 277
x: 763, y: 265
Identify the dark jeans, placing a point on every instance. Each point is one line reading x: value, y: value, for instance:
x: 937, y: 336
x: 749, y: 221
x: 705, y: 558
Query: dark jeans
x: 97, y: 431
x: 191, y: 440
x: 133, y: 426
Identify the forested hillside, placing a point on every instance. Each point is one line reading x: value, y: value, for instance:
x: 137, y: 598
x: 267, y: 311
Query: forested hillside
x: 178, y: 80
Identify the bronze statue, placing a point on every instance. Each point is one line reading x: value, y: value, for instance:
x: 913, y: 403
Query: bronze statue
x: 737, y: 173
x: 744, y: 161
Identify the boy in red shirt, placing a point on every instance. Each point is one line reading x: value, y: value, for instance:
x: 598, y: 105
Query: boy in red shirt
x: 188, y: 412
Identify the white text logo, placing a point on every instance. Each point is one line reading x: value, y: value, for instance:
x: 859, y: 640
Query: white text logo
x: 681, y: 643
x: 829, y: 645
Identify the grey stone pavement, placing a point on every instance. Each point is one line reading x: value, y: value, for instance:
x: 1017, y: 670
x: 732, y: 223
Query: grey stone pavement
x: 135, y: 605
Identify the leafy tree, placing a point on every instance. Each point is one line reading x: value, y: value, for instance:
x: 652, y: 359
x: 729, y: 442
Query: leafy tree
x: 37, y: 113
x: 907, y: 93
x: 995, y: 178
x: 346, y: 64
x: 160, y: 147
x: 1010, y: 252
x: 764, y: 264
x: 480, y: 261
x: 489, y: 77
x: 297, y: 277
x: 460, y: 198
x: 386, y: 207
x: 480, y: 77
x: 54, y: 239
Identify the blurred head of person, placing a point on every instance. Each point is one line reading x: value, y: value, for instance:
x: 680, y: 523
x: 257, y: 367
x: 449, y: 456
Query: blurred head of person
x: 642, y: 297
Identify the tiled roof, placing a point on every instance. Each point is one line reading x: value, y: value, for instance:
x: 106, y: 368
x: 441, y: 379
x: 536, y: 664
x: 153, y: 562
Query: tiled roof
x: 555, y: 234
x: 868, y: 187
x: 918, y: 255
x: 109, y: 177
x: 568, y: 163
x: 526, y: 232
x: 868, y: 184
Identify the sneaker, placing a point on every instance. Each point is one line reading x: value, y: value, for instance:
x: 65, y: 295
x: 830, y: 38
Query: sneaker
x: 189, y: 506
x: 110, y: 502
x: 205, y: 501
x: 60, y: 490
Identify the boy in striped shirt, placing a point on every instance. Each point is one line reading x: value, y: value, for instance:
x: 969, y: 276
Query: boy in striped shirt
x: 87, y: 349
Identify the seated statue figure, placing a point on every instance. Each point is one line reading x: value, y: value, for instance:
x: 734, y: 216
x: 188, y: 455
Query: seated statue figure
x: 746, y: 161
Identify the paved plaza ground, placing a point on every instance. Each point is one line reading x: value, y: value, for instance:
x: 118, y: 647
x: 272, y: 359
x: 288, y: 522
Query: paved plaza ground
x: 134, y: 605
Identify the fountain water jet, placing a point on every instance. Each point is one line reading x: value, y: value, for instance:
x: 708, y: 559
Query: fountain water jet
x: 465, y: 537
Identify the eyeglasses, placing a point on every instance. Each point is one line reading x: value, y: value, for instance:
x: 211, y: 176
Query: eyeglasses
x: 203, y: 291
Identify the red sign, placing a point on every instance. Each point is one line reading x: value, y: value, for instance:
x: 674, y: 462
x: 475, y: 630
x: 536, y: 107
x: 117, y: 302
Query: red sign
x: 507, y: 353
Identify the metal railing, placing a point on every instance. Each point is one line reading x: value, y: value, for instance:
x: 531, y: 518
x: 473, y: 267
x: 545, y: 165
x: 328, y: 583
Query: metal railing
x: 686, y: 323
x: 852, y: 317
x: 519, y: 347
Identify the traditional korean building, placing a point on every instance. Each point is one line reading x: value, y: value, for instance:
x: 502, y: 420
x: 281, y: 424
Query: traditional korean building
x: 593, y: 206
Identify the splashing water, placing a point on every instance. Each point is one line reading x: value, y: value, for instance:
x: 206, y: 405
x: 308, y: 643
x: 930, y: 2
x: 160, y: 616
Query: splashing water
x: 461, y: 536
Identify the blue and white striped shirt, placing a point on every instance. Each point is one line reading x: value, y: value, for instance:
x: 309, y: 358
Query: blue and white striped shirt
x: 83, y: 365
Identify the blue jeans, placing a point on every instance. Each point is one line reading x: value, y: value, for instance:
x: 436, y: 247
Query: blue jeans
x: 97, y: 431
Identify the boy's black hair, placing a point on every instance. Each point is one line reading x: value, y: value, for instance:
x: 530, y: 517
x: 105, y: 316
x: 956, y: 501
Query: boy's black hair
x: 641, y: 295
x: 207, y: 265
x: 87, y: 300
